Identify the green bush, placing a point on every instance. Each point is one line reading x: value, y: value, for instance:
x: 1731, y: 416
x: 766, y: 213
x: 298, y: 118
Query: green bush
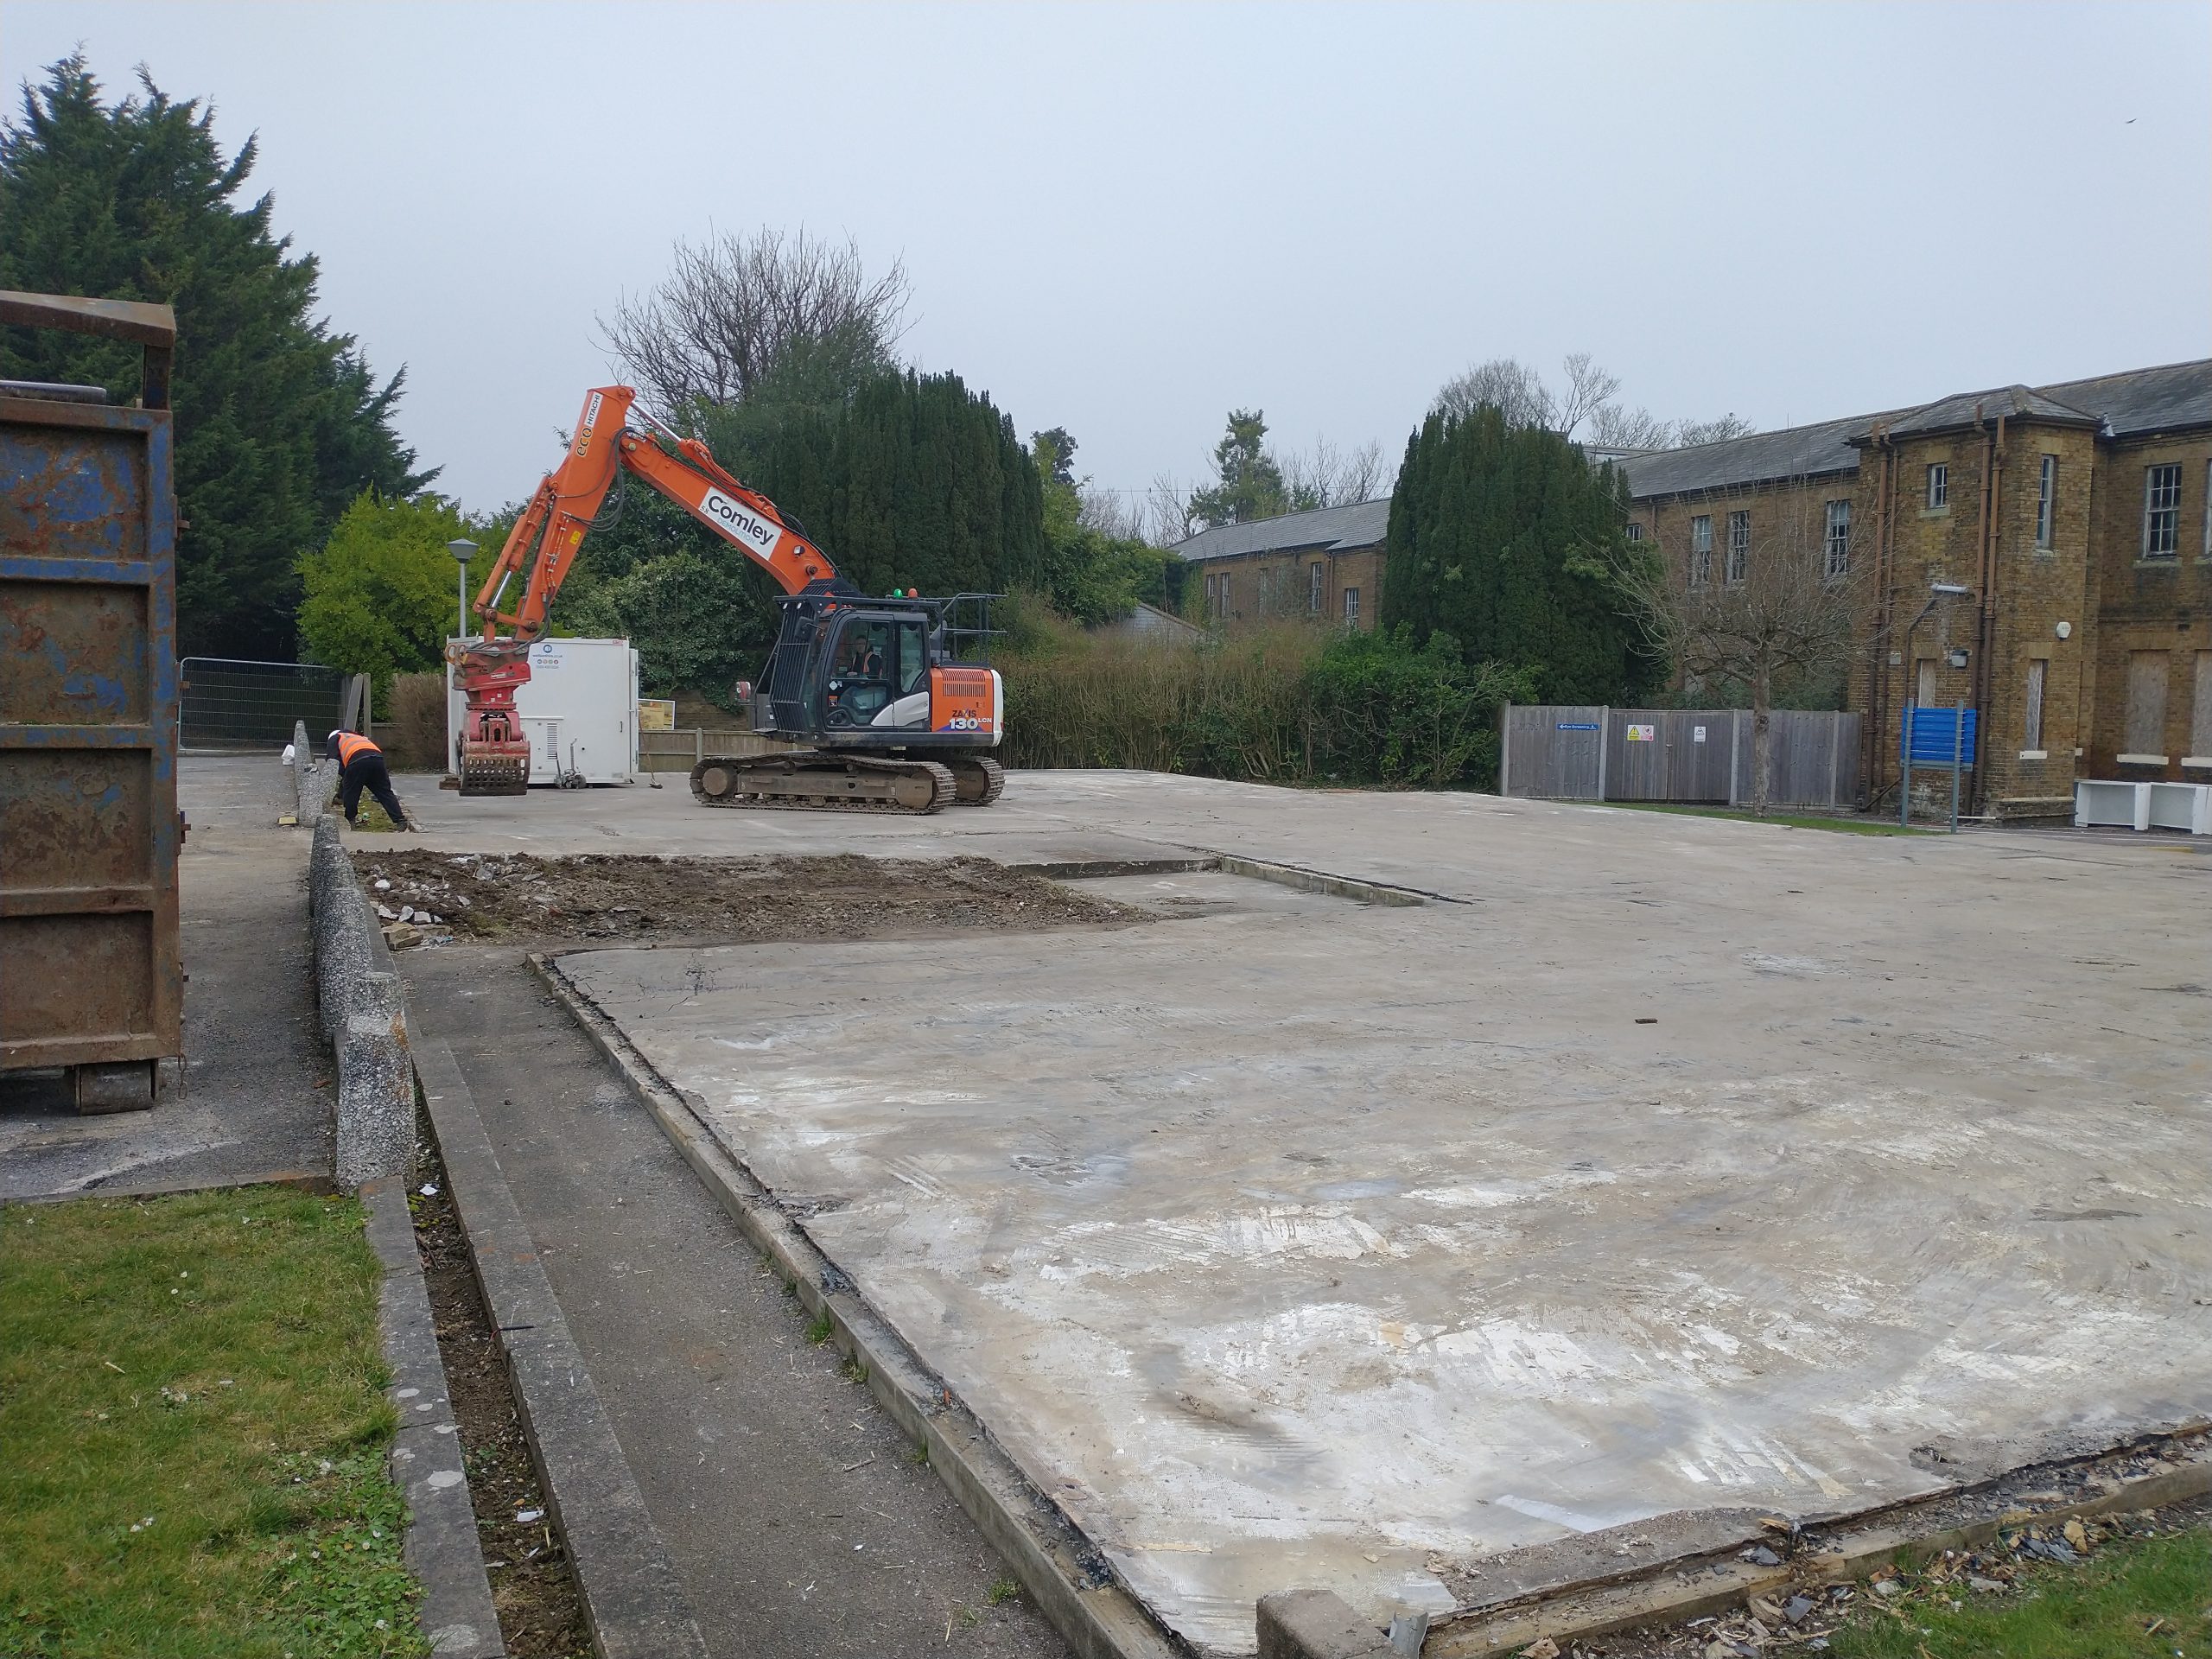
x: 1292, y: 705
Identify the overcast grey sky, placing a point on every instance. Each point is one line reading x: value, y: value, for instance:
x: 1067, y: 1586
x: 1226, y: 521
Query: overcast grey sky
x: 1125, y: 220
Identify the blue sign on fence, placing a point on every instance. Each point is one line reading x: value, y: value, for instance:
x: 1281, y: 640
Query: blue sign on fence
x: 1578, y: 725
x: 1933, y: 736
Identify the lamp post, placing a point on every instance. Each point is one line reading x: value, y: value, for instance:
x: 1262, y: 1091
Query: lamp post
x: 463, y: 551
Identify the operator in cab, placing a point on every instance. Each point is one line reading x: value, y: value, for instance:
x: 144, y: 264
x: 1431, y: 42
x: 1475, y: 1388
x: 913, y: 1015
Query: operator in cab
x: 360, y: 766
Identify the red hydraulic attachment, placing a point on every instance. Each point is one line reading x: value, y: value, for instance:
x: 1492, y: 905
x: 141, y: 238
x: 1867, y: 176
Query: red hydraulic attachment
x: 494, y: 753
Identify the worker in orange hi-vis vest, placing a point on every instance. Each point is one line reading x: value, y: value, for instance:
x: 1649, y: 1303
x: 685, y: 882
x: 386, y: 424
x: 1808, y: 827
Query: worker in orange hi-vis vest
x: 360, y: 766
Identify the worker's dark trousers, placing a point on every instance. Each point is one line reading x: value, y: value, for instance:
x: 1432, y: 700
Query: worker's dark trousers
x: 368, y: 772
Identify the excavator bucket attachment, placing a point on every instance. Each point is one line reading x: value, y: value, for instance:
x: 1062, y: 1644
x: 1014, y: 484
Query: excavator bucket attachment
x: 494, y: 769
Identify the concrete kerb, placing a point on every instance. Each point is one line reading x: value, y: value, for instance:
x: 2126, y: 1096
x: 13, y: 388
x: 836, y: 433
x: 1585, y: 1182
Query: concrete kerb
x: 1713, y: 1581
x: 633, y: 1600
x: 364, y: 1019
x: 1062, y: 1572
x: 443, y: 1549
x: 313, y: 788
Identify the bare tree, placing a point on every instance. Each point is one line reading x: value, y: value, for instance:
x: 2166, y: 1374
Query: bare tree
x: 1325, y: 476
x: 1507, y: 384
x: 1170, y: 511
x: 1772, y: 611
x: 1590, y: 395
x: 1589, y: 388
x: 1715, y: 431
x: 1616, y: 426
x: 735, y: 308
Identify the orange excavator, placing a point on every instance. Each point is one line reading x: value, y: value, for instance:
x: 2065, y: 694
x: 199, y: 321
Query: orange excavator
x: 862, y: 704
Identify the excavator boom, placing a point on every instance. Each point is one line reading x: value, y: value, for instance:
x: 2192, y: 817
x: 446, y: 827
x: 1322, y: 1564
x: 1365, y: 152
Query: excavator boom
x: 542, y: 548
x: 855, y: 683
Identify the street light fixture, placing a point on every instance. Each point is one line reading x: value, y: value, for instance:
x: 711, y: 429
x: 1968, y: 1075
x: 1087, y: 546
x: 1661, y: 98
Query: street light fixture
x: 463, y: 551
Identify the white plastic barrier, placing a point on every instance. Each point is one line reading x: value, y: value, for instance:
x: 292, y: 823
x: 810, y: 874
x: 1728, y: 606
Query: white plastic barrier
x: 2097, y: 801
x: 2181, y: 806
x: 2143, y: 806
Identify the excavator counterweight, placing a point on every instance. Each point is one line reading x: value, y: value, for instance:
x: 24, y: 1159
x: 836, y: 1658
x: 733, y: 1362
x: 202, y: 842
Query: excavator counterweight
x: 864, y: 702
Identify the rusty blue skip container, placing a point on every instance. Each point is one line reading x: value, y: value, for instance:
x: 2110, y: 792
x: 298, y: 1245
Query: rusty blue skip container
x: 91, y: 971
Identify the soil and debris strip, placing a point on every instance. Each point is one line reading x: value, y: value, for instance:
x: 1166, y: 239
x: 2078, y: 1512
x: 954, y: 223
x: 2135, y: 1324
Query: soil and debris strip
x: 1806, y: 1618
x: 482, y: 896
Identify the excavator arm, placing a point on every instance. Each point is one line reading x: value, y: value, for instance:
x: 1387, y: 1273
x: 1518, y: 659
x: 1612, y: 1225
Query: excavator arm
x: 542, y: 549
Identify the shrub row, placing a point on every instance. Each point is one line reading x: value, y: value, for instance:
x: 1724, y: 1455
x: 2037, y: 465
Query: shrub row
x: 1294, y: 704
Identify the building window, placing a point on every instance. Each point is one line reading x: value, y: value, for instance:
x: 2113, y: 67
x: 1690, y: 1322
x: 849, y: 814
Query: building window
x: 1224, y: 595
x: 1839, y: 540
x: 1313, y: 580
x: 1351, y: 607
x: 1213, y: 598
x: 2046, y: 500
x: 2146, y: 705
x: 1739, y: 546
x: 1701, y: 552
x: 1634, y: 531
x: 1939, y: 486
x: 2207, y: 509
x: 1923, y: 682
x: 2200, y: 715
x: 2161, y: 510
x: 2031, y: 721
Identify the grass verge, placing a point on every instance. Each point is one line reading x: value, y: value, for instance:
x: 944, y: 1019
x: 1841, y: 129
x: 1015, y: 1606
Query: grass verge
x: 192, y: 1398
x: 2136, y: 1598
x: 1787, y: 820
x: 368, y: 816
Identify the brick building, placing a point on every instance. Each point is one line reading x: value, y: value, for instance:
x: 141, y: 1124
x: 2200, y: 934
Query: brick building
x: 1323, y: 563
x: 2075, y: 517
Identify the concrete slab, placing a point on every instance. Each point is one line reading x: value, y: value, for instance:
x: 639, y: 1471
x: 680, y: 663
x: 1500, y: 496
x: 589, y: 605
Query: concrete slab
x: 797, y: 1521
x: 1343, y: 1246
x: 254, y: 1106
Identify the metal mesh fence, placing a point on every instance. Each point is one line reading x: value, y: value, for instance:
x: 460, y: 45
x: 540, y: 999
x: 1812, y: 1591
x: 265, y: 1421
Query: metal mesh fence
x: 227, y: 704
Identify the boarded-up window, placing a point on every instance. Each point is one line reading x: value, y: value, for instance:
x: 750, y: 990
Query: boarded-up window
x: 2146, y: 702
x: 1923, y: 682
x: 2031, y: 725
x: 2200, y: 716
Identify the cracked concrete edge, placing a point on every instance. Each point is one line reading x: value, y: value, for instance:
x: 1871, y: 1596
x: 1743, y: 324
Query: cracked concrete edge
x: 1060, y: 1569
x: 443, y: 1549
x: 1659, y: 1593
x: 1298, y: 877
x: 634, y: 1599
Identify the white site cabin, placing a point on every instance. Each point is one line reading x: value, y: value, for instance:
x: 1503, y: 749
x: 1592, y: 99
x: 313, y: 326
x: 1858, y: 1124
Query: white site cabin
x: 579, y: 710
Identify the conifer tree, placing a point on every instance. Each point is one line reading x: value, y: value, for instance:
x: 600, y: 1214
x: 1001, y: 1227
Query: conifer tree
x: 280, y: 424
x: 1500, y: 536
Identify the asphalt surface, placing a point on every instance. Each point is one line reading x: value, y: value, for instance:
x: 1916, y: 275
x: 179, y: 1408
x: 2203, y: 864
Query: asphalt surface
x: 793, y: 1508
x: 255, y: 1105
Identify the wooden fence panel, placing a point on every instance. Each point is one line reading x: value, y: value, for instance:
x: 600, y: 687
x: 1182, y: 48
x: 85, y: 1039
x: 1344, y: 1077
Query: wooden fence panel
x: 1554, y: 754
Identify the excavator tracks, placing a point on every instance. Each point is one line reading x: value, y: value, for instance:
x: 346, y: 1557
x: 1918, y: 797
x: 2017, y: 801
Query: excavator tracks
x: 826, y: 782
x: 980, y: 781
